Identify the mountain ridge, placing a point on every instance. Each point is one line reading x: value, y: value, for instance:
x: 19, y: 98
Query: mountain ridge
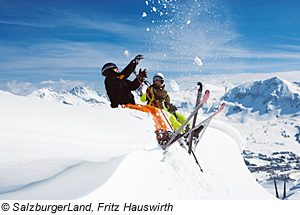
x: 272, y: 96
x: 78, y: 95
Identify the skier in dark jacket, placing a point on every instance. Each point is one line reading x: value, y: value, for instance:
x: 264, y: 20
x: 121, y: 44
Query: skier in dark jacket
x: 117, y: 86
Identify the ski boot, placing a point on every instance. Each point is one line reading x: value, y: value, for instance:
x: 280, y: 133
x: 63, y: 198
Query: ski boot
x: 196, y: 137
x: 197, y: 131
x: 163, y: 137
x: 185, y: 138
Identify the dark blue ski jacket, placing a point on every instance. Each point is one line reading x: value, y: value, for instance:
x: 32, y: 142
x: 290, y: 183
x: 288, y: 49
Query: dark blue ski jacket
x: 119, y: 88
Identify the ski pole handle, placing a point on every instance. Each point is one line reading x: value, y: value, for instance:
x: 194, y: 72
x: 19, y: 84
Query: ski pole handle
x: 147, y: 82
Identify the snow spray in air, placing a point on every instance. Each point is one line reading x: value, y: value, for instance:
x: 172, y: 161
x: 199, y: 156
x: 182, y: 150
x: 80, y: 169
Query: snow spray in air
x: 189, y: 36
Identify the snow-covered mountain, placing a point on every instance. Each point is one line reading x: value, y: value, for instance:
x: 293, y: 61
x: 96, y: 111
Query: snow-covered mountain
x: 272, y: 96
x: 266, y: 113
x: 76, y: 96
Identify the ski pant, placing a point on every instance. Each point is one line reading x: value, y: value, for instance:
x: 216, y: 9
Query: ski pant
x: 158, y: 121
x: 176, y: 122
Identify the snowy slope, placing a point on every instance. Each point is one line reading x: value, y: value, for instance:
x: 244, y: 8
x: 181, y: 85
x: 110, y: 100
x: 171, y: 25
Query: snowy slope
x: 55, y: 151
x: 176, y: 176
x: 40, y: 139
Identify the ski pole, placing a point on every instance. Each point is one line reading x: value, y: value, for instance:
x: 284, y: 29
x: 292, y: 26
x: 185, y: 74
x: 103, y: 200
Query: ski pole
x: 142, y: 85
x: 146, y: 92
x: 154, y: 100
x: 190, y: 140
x: 159, y: 107
x: 197, y: 161
x: 146, y: 82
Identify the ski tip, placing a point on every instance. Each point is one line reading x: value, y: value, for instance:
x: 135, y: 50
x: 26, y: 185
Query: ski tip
x: 205, y: 97
x: 199, y: 86
x: 221, y: 108
x: 207, y: 93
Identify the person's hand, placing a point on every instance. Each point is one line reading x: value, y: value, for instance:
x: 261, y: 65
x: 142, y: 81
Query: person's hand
x: 143, y: 73
x: 172, y: 108
x: 138, y: 58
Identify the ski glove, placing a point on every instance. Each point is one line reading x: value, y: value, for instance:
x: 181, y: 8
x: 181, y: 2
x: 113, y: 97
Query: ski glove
x: 172, y: 108
x: 143, y: 73
x: 137, y: 59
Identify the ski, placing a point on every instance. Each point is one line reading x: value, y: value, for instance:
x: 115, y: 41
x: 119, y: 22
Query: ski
x: 190, y: 140
x: 201, y: 126
x: 205, y: 98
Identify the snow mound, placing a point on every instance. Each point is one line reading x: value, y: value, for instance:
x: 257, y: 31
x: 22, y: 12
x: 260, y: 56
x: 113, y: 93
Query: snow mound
x: 174, y: 175
x: 40, y: 139
x: 55, y: 151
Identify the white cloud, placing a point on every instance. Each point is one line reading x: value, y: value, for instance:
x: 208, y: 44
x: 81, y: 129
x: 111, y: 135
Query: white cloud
x: 18, y: 87
x: 32, y: 24
x: 26, y: 88
x: 47, y: 82
x: 60, y: 57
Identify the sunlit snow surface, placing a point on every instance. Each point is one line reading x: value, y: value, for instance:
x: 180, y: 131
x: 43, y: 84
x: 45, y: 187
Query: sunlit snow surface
x: 49, y: 147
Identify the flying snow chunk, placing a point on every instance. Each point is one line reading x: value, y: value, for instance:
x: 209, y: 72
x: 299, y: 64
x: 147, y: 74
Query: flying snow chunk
x: 126, y: 53
x: 174, y: 86
x: 144, y: 14
x: 154, y: 9
x: 188, y: 22
x: 146, y: 2
x: 148, y: 29
x: 198, y: 61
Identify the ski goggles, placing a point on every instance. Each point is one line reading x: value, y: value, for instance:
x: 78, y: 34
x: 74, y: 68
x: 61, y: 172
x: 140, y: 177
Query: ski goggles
x: 109, y: 67
x: 157, y: 78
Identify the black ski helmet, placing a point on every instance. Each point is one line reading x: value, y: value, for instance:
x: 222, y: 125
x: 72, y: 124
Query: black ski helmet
x: 159, y: 77
x: 107, y: 67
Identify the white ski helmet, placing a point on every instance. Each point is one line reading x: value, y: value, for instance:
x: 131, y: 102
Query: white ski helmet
x: 159, y: 77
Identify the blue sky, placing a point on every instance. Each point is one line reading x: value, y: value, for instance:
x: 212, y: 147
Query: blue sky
x: 42, y: 40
